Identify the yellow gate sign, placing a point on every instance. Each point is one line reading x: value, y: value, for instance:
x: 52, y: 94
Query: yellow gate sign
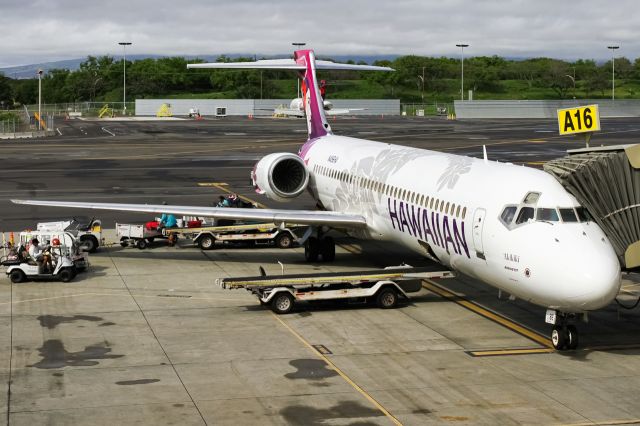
x: 579, y: 120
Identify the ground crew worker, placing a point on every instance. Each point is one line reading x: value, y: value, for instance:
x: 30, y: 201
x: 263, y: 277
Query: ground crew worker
x: 41, y: 256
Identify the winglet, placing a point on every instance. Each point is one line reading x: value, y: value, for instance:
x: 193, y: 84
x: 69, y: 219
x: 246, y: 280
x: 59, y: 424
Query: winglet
x: 484, y: 152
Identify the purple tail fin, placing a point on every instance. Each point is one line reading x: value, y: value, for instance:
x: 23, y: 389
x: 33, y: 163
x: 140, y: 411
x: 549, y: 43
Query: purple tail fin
x: 317, y: 123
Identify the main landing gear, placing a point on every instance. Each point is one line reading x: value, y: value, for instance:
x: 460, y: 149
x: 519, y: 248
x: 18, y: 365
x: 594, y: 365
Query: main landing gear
x: 564, y: 335
x: 320, y: 246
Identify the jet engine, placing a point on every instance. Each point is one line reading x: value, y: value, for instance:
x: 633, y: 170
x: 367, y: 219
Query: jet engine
x: 280, y: 176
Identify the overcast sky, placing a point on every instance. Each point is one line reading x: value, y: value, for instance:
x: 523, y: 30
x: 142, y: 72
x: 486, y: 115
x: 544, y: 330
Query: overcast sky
x: 39, y: 30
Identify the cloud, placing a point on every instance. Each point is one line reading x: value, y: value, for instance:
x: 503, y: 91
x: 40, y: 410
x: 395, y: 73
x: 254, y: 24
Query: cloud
x: 38, y: 31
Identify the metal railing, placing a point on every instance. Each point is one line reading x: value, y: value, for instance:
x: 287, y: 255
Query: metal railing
x: 86, y: 108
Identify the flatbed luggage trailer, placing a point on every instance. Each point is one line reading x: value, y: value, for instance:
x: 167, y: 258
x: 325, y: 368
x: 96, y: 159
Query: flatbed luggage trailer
x: 136, y: 234
x: 385, y: 286
x: 282, y: 236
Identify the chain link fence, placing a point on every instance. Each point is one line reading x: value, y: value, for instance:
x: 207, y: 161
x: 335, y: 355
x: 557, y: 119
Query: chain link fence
x: 12, y: 126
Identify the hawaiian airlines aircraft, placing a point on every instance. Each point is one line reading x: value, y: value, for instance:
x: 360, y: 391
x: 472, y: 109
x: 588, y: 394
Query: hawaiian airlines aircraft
x: 512, y: 227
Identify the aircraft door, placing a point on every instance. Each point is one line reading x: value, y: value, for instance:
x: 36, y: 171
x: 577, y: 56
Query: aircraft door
x: 478, y: 224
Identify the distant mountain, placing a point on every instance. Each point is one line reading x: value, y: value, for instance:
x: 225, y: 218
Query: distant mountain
x: 30, y: 71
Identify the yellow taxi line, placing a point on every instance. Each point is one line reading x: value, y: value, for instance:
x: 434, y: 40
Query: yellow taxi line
x: 346, y: 378
x: 447, y: 294
x: 503, y: 352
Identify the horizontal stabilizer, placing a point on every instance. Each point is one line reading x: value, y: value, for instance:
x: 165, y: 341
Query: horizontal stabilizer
x: 288, y: 64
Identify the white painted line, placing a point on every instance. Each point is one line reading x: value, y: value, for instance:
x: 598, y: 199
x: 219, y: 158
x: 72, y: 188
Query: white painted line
x: 58, y: 130
x: 544, y: 131
x: 111, y: 133
x: 367, y: 133
x: 235, y: 134
x: 481, y: 138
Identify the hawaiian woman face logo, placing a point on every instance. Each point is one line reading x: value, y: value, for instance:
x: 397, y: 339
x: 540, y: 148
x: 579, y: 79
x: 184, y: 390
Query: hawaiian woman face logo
x: 457, y: 167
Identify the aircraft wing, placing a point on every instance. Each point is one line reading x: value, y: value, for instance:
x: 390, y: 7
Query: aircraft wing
x: 277, y: 216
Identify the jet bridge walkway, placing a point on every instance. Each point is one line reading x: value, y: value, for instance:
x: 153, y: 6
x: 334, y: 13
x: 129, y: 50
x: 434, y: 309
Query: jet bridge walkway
x: 606, y: 180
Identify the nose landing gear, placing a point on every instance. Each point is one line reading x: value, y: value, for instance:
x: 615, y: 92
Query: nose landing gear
x: 564, y: 335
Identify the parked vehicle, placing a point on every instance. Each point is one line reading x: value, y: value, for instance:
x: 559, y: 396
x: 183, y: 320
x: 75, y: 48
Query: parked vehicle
x: 86, y: 230
x: 69, y: 245
x: 21, y: 267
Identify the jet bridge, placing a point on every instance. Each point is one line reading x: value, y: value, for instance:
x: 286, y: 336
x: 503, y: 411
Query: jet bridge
x: 606, y: 180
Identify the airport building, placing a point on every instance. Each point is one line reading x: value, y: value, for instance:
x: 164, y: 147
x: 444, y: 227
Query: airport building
x: 257, y: 107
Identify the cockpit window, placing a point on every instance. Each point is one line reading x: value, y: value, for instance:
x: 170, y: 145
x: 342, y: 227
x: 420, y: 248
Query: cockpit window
x: 584, y: 215
x: 549, y: 215
x: 531, y: 198
x: 568, y: 215
x: 526, y: 214
x: 507, y: 214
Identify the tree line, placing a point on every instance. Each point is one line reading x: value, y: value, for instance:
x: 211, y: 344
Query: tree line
x: 100, y: 79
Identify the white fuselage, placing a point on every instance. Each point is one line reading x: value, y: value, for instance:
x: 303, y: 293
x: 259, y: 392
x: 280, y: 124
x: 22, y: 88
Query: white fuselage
x: 449, y: 206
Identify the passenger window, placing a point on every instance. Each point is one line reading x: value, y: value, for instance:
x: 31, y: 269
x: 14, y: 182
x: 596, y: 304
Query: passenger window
x: 526, y: 214
x: 584, y: 215
x: 458, y: 212
x: 464, y: 212
x: 549, y: 215
x: 507, y: 214
x: 568, y: 215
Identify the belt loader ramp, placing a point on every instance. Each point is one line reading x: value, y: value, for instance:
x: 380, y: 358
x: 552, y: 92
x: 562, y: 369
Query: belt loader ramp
x: 606, y: 180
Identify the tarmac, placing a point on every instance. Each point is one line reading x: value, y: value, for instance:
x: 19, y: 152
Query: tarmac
x: 145, y: 336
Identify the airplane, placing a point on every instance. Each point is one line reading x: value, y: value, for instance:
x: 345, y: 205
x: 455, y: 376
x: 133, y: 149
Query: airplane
x: 296, y: 109
x: 296, y: 106
x: 512, y: 227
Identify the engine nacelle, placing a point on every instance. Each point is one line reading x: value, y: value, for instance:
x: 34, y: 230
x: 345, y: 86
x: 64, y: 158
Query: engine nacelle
x: 280, y: 176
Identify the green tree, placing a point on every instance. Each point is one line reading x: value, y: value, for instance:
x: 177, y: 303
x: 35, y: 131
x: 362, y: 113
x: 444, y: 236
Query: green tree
x: 6, y: 94
x: 25, y: 91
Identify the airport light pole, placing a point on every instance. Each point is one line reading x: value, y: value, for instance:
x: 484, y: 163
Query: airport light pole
x: 421, y: 77
x: 462, y: 46
x: 573, y: 79
x: 40, y: 99
x: 298, y: 46
x: 613, y: 71
x: 124, y: 45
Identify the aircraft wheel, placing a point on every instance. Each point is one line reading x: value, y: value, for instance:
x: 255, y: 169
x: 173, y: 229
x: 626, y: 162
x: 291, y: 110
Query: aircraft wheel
x: 17, y: 276
x: 572, y: 337
x: 282, y: 303
x: 328, y: 249
x: 311, y: 249
x: 387, y: 298
x: 558, y: 338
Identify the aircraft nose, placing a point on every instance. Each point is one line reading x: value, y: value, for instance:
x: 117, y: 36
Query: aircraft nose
x: 597, y: 278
